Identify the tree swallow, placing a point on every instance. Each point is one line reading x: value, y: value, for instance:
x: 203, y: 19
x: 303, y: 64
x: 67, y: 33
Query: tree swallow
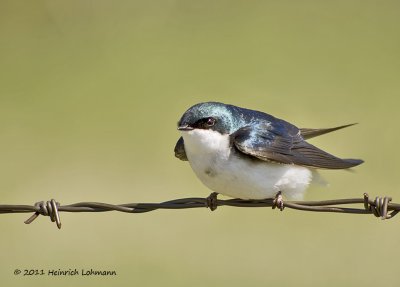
x: 249, y: 154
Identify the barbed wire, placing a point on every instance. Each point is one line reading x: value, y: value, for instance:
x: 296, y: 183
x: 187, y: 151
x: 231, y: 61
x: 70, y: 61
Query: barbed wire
x: 380, y: 207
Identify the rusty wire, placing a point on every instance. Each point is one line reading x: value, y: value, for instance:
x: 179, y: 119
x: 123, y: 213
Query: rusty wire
x: 380, y: 207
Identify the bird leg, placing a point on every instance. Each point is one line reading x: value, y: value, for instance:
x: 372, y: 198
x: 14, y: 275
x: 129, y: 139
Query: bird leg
x: 278, y: 201
x: 212, y: 201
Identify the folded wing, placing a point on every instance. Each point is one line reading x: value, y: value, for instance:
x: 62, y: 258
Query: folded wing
x: 281, y: 144
x: 180, y: 150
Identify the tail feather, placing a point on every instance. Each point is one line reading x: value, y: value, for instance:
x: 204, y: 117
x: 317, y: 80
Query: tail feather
x: 310, y: 133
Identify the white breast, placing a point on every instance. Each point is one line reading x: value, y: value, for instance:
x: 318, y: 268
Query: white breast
x: 221, y: 169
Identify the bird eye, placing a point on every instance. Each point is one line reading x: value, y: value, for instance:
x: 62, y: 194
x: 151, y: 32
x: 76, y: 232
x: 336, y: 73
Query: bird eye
x: 210, y: 122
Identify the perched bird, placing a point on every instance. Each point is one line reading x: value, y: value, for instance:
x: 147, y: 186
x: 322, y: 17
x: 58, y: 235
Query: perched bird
x: 249, y: 154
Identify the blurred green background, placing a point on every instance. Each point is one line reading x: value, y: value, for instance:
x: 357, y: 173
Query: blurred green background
x: 90, y: 93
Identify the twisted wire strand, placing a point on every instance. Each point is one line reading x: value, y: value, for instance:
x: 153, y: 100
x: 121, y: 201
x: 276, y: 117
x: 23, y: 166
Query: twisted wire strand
x: 380, y: 207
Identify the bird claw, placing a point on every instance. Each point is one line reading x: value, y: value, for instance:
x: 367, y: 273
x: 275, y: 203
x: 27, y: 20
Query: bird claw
x: 278, y: 201
x: 212, y: 201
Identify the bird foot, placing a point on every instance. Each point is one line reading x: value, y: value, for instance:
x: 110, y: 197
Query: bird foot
x: 278, y: 201
x: 212, y: 201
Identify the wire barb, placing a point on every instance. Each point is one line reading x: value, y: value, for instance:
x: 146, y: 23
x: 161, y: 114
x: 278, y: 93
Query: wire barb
x: 48, y: 208
x: 379, y: 207
x: 278, y: 201
x: 212, y: 201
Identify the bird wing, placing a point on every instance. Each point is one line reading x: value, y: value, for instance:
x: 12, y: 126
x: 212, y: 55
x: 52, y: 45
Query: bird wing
x: 180, y: 150
x: 284, y: 144
x: 310, y: 133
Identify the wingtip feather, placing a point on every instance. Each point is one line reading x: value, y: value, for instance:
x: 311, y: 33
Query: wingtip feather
x: 353, y: 162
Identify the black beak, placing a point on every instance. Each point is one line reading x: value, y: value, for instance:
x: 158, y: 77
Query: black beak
x: 185, y: 128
